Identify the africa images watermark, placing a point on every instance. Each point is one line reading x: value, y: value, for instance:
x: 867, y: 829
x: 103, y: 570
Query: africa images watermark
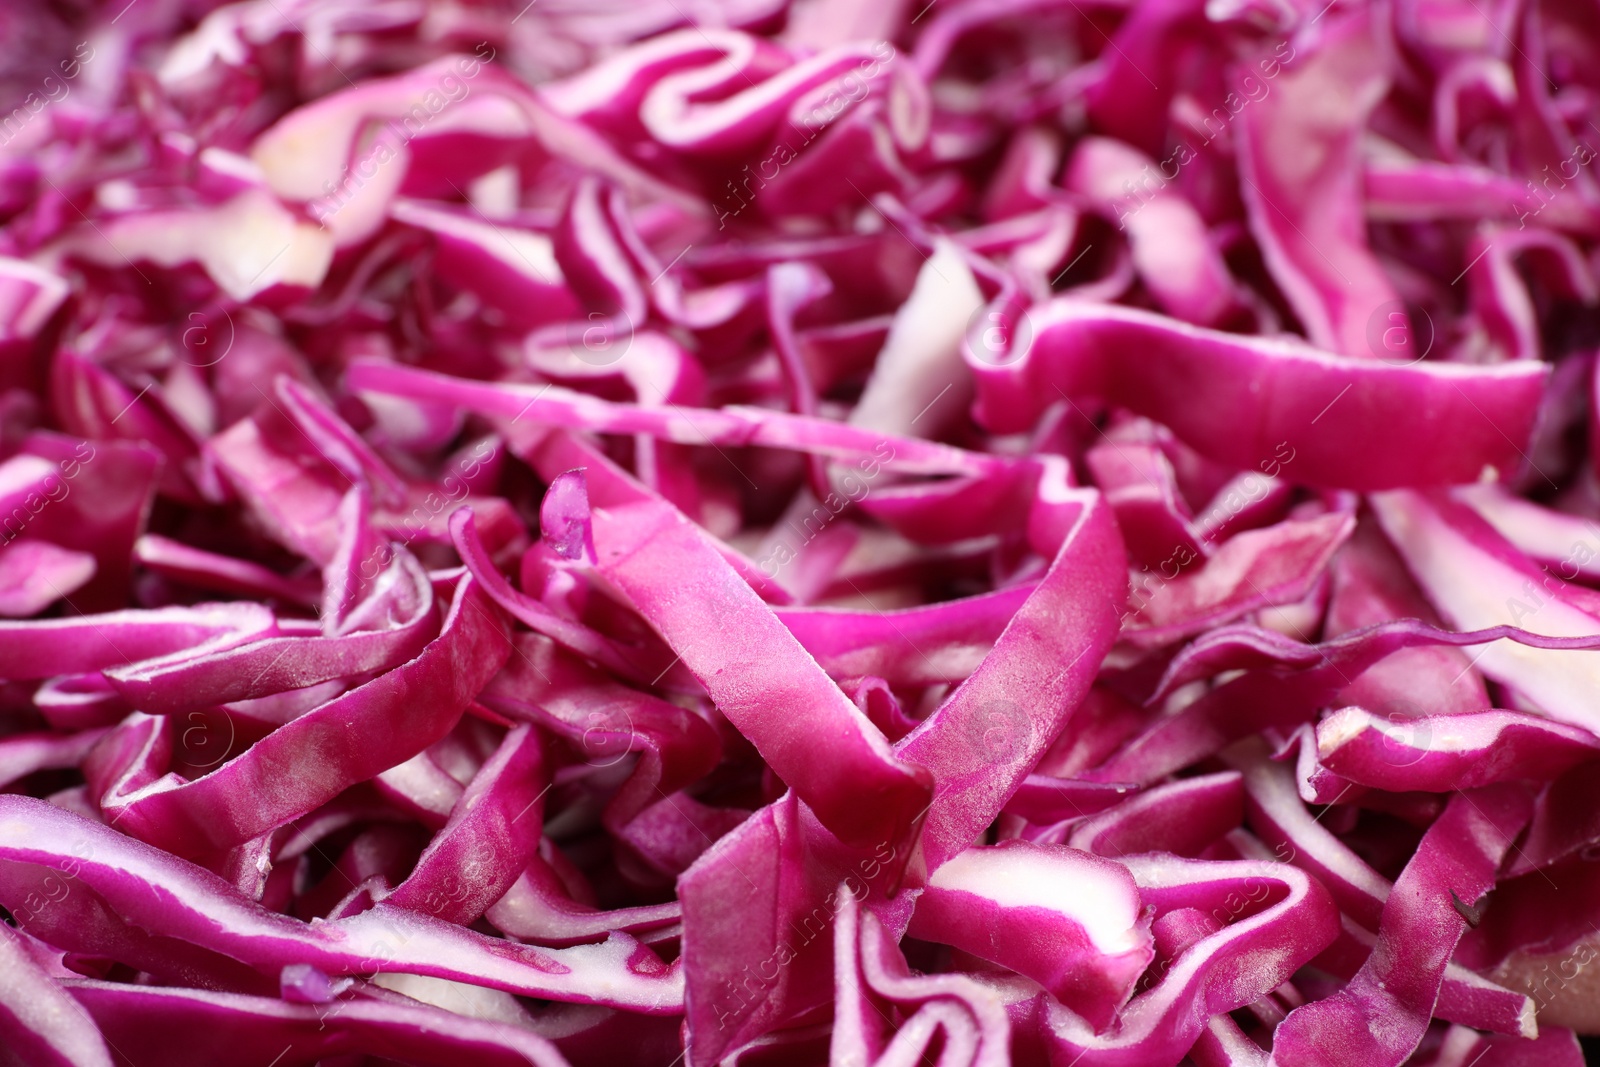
x: 55, y: 884
x: 1545, y: 986
x: 994, y: 729
x: 53, y: 489
x: 1251, y: 90
x: 1582, y: 551
x: 1251, y: 490
x: 850, y: 89
x: 757, y: 988
x: 1581, y: 156
x: 855, y: 489
x: 394, y: 135
x: 52, y: 90
x: 457, y: 485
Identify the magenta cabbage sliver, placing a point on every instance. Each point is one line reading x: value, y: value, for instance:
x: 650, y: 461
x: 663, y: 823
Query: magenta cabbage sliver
x: 772, y: 532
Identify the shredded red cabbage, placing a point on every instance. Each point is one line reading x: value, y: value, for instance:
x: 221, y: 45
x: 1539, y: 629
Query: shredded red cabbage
x: 772, y: 532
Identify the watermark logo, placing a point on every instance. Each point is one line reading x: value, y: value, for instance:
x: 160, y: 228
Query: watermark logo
x: 605, y: 740
x: 999, y: 332
x: 599, y: 340
x: 1407, y: 735
x: 208, y: 338
x: 1000, y: 729
x: 207, y: 739
x: 1398, y: 339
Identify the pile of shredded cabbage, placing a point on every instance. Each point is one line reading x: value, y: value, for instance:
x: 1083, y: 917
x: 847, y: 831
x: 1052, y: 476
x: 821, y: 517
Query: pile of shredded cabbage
x: 763, y: 533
